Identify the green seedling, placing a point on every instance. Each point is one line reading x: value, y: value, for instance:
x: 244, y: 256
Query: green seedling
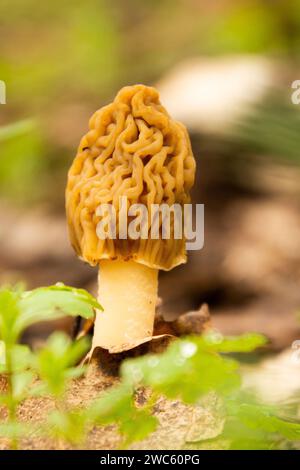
x: 18, y: 310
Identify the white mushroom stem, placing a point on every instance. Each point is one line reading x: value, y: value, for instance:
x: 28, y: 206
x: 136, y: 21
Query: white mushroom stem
x: 128, y: 295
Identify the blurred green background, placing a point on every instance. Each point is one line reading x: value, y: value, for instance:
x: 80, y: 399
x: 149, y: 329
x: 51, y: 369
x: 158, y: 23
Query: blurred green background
x: 62, y: 60
x: 225, y: 69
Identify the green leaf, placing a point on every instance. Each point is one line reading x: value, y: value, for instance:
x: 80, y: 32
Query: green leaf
x: 232, y: 344
x: 80, y: 294
x: 48, y: 303
x: 14, y: 430
x: 117, y: 406
x: 137, y: 426
x: 184, y: 371
x: 70, y: 426
x: 21, y: 358
x: 20, y: 361
x: 9, y: 315
x: 21, y: 382
x: 241, y: 437
x: 5, y: 399
x: 56, y: 360
x: 39, y: 390
x: 112, y: 406
x: 20, y: 309
x: 2, y: 356
x: 262, y: 417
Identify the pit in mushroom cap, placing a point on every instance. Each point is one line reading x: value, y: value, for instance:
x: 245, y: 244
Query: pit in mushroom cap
x: 133, y: 149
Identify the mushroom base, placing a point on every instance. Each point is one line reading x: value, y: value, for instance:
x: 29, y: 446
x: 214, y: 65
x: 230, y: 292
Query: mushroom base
x: 128, y: 295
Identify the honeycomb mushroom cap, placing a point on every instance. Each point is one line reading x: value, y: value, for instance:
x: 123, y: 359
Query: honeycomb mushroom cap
x: 133, y: 149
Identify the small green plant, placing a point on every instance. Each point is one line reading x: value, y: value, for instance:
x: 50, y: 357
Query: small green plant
x: 194, y: 366
x: 189, y: 370
x: 18, y: 310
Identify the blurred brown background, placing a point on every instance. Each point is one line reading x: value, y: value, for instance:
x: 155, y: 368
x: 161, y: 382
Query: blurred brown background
x: 225, y: 69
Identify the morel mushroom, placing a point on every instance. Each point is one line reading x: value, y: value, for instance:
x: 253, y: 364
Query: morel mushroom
x: 133, y: 150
